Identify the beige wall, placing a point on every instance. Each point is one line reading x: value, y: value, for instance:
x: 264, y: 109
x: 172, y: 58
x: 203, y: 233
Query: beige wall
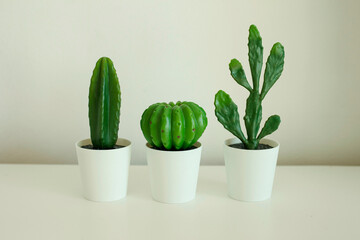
x: 177, y: 50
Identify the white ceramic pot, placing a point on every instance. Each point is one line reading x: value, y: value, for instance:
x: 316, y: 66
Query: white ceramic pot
x: 250, y: 173
x: 173, y: 174
x: 104, y: 173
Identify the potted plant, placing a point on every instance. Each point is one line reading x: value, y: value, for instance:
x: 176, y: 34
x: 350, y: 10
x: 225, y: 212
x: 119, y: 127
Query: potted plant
x: 250, y: 162
x: 172, y: 150
x: 104, y: 159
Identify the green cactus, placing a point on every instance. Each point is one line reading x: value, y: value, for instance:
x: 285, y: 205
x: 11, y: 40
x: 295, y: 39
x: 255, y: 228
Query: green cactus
x: 104, y: 105
x: 173, y: 126
x: 226, y: 110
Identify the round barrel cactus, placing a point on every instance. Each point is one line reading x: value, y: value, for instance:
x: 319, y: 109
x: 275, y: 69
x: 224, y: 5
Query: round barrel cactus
x: 173, y: 126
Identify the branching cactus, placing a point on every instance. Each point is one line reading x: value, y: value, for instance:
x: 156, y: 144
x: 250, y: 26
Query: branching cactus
x: 173, y: 126
x: 104, y: 105
x: 226, y: 110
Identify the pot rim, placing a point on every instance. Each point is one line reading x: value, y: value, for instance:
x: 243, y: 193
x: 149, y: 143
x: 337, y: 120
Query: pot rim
x: 198, y: 146
x: 125, y: 143
x: 273, y: 143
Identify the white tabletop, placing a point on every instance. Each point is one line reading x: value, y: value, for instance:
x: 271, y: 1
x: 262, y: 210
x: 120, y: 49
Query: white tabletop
x: 45, y: 202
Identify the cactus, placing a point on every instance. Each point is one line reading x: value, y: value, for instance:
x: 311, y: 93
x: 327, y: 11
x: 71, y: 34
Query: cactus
x: 173, y: 126
x: 226, y: 110
x: 104, y: 105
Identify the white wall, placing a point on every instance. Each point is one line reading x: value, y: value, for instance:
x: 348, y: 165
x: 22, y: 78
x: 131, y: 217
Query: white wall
x: 177, y: 50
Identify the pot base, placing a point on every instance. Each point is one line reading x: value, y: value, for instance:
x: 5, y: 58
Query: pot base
x: 250, y: 173
x: 173, y: 174
x: 104, y: 173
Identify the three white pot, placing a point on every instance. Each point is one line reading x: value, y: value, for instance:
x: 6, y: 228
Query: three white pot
x: 173, y: 174
x: 250, y: 173
x: 104, y: 173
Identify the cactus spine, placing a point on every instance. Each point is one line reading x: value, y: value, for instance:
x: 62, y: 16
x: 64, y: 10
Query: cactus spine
x: 104, y: 105
x: 173, y: 126
x: 226, y: 110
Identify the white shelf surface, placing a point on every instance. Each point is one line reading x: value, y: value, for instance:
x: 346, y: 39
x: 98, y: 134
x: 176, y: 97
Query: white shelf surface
x: 308, y: 202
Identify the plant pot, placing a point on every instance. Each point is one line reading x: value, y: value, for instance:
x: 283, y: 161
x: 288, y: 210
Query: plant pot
x: 104, y: 173
x: 173, y: 174
x: 250, y: 173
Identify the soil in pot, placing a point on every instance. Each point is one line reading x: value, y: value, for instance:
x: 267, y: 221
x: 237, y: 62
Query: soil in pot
x: 242, y: 146
x: 89, y: 146
x: 192, y: 147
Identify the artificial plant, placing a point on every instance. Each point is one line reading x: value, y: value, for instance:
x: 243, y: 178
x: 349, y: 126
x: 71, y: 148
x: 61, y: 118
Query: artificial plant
x: 173, y: 126
x: 226, y: 110
x: 104, y: 105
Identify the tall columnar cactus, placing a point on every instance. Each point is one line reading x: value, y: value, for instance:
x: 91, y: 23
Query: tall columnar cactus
x: 104, y: 105
x: 226, y: 110
x: 173, y: 126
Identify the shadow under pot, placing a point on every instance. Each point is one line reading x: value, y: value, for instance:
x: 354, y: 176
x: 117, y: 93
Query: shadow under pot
x: 104, y: 173
x: 173, y: 174
x: 250, y: 173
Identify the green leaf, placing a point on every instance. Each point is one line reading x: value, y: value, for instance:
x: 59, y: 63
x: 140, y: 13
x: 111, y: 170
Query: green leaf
x: 274, y: 68
x: 237, y: 72
x: 253, y: 115
x: 271, y: 125
x: 255, y: 55
x: 227, y: 114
